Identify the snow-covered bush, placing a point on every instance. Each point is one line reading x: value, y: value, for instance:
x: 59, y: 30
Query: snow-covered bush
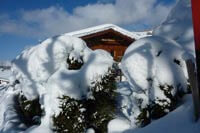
x: 143, y: 118
x: 72, y: 118
x: 156, y: 72
x: 155, y: 68
x: 160, y: 107
x: 93, y: 112
x: 29, y: 111
x: 36, y: 65
x: 103, y: 105
x: 59, y: 71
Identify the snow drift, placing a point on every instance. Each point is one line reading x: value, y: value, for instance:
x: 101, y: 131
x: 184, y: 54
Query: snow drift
x: 46, y: 64
x: 179, y: 121
x: 156, y: 73
x: 178, y: 26
x: 157, y: 59
x: 43, y: 72
x: 155, y: 66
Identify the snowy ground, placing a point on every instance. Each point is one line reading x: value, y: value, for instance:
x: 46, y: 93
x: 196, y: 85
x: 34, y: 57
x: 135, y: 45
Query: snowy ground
x: 5, y: 73
x: 148, y: 63
x: 180, y: 120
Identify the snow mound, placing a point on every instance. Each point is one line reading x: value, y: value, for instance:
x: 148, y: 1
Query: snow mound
x: 118, y: 125
x: 90, y: 130
x: 156, y: 73
x: 36, y: 65
x: 178, y: 26
x: 45, y: 66
x: 9, y: 118
x: 155, y: 68
x: 43, y: 72
x: 5, y: 74
x: 180, y: 120
x: 154, y: 59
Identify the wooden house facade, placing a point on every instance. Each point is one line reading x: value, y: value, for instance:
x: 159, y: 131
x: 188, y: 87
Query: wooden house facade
x: 108, y: 37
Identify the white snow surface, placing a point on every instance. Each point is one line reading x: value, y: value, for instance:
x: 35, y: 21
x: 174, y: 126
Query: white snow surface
x: 5, y: 64
x: 118, y: 125
x: 9, y: 118
x: 45, y: 66
x: 150, y: 62
x: 181, y: 120
x: 142, y: 34
x: 90, y: 130
x: 43, y: 72
x: 5, y: 74
x: 153, y: 58
x: 178, y: 26
x: 95, y: 29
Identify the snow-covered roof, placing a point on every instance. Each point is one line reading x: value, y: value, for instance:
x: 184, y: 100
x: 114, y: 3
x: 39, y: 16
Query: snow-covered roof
x: 103, y: 27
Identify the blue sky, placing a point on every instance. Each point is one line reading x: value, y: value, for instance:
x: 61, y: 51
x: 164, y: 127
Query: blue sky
x: 23, y: 23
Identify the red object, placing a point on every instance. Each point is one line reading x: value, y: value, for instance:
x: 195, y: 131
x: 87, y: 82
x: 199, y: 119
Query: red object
x: 196, y: 22
x: 196, y: 27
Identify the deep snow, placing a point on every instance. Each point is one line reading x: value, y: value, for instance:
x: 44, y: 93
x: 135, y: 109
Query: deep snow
x: 5, y: 74
x: 42, y: 72
x: 180, y: 120
x: 178, y: 26
x: 153, y: 57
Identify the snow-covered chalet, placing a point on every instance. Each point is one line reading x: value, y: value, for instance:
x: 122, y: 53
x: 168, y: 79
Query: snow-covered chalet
x: 109, y: 37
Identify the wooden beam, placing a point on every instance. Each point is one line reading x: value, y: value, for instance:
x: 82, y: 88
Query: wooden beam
x: 196, y: 29
x: 194, y: 87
